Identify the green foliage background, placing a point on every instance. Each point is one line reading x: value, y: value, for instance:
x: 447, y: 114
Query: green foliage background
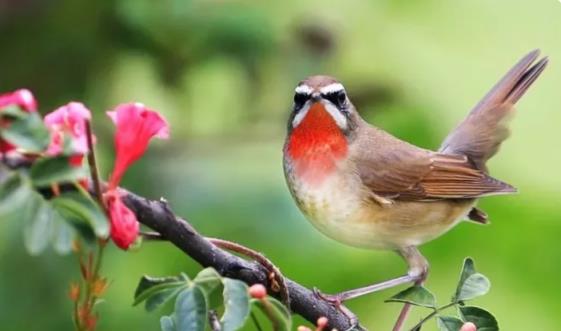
x: 223, y: 73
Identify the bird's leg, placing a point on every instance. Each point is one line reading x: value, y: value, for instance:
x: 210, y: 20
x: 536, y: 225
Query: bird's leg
x: 418, y: 269
x: 423, y: 266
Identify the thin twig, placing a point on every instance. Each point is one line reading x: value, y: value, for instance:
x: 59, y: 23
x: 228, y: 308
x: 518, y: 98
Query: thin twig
x: 152, y: 236
x: 92, y: 162
x: 277, y: 280
x: 431, y: 315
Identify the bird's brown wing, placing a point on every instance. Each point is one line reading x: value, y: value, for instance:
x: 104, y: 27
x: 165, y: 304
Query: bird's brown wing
x: 410, y: 173
x: 485, y: 128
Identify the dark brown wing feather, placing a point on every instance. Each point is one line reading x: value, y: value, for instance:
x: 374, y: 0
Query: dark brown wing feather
x: 395, y: 169
x: 405, y: 172
x: 485, y: 128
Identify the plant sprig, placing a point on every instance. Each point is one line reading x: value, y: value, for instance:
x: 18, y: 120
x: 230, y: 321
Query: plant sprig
x: 471, y: 285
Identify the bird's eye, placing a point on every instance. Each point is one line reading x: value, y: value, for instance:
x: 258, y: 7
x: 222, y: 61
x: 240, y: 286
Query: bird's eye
x: 338, y: 98
x: 300, y: 99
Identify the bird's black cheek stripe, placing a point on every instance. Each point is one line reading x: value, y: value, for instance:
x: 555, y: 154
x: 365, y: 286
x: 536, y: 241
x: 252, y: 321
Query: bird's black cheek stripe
x: 299, y: 100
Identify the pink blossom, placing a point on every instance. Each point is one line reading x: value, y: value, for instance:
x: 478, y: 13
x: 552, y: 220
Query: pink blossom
x: 136, y: 125
x: 22, y: 98
x: 124, y: 225
x: 68, y: 121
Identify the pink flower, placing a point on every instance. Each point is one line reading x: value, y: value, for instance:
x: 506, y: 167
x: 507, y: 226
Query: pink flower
x: 22, y: 98
x: 136, y: 125
x: 124, y: 226
x: 68, y: 121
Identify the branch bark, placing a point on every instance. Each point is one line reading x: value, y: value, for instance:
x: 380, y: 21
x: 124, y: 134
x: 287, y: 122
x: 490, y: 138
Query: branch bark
x: 158, y: 216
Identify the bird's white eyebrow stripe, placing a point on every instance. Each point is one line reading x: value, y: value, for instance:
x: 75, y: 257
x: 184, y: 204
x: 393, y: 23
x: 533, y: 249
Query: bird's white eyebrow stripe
x: 335, y: 87
x: 303, y: 89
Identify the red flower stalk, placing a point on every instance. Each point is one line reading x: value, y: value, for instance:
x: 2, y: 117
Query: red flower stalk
x: 69, y: 121
x: 136, y: 125
x: 22, y: 98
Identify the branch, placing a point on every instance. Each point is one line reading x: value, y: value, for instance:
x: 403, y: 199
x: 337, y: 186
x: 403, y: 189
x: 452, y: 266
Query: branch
x: 158, y: 216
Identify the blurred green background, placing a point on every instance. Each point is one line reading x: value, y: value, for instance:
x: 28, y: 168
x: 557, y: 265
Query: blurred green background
x: 223, y: 73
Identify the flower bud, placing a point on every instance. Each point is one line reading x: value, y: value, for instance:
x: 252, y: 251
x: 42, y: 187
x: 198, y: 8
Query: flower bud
x: 258, y: 291
x: 469, y: 326
x: 74, y: 292
x: 321, y: 323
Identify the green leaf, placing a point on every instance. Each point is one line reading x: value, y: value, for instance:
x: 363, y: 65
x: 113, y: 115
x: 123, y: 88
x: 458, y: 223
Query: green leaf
x: 158, y: 290
x: 449, y: 323
x: 191, y: 310
x: 167, y: 323
x: 39, y: 224
x: 277, y: 313
x: 468, y: 269
x: 415, y: 295
x: 471, y: 284
x: 26, y: 130
x: 210, y: 282
x: 483, y: 319
x: 78, y: 206
x: 162, y: 297
x: 55, y: 170
x: 13, y: 112
x: 208, y: 279
x: 63, y: 234
x: 236, y: 304
x: 15, y: 191
x: 474, y: 286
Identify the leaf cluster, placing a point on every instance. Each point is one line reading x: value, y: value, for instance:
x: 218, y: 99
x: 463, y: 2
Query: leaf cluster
x: 33, y: 196
x: 208, y: 291
x: 471, y: 285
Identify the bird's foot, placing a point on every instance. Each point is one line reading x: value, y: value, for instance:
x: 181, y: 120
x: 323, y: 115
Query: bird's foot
x: 336, y: 300
x: 333, y: 299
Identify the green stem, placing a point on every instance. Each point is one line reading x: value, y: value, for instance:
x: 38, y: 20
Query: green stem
x: 431, y: 315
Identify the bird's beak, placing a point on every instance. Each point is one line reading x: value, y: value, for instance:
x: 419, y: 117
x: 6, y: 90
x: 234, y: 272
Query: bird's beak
x: 315, y: 98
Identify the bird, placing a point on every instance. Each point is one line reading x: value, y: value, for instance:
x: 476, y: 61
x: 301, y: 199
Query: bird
x: 364, y: 187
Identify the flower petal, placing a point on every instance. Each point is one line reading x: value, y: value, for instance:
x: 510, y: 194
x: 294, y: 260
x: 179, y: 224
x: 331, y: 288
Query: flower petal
x: 68, y: 121
x: 22, y: 98
x: 136, y: 125
x: 124, y: 225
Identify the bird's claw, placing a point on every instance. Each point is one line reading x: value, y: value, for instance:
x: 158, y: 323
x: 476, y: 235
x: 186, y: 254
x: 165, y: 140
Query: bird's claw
x: 336, y: 301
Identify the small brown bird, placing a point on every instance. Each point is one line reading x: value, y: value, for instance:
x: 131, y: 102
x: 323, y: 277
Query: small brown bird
x: 366, y: 188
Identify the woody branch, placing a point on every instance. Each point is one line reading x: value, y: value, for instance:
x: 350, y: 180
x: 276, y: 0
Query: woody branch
x: 158, y: 216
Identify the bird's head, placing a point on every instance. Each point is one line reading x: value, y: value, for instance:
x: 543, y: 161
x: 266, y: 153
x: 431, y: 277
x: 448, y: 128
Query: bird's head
x: 320, y: 127
x: 321, y: 103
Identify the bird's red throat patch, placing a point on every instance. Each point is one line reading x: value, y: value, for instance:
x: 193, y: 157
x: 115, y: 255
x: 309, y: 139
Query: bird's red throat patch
x: 316, y: 145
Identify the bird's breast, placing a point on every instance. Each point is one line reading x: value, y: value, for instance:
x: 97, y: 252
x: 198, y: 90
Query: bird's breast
x: 316, y: 147
x: 340, y: 207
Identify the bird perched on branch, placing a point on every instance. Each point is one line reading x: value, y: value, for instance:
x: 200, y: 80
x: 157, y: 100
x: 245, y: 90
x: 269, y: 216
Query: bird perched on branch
x: 366, y: 188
